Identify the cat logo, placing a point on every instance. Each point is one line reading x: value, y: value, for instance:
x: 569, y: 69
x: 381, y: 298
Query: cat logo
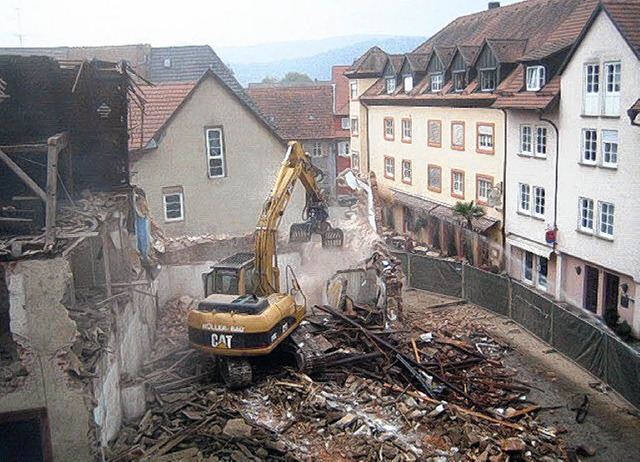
x: 221, y: 340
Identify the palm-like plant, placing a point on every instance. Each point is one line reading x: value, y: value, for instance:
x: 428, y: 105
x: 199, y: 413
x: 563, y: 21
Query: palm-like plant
x: 468, y: 211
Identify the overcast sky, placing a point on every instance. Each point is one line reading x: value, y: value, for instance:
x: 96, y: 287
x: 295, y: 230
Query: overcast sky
x: 219, y: 24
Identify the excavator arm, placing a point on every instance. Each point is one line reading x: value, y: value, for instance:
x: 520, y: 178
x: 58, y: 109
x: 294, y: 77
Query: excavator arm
x: 295, y: 166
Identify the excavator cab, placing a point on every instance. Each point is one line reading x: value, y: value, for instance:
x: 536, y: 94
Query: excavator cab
x: 232, y: 276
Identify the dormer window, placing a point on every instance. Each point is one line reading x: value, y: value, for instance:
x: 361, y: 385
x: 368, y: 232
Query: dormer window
x: 459, y: 81
x: 437, y: 80
x: 536, y: 78
x: 488, y: 79
x: 408, y: 83
x: 391, y: 84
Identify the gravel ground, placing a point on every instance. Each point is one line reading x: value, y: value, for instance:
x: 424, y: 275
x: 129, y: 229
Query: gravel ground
x: 612, y: 426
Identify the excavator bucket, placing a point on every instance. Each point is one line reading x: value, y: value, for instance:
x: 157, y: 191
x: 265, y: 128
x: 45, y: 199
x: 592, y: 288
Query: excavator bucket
x: 300, y: 232
x: 333, y: 237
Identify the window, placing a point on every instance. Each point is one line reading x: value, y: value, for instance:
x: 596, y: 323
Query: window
x: 527, y: 271
x: 434, y: 178
x: 488, y: 79
x: 484, y: 184
x: 406, y: 171
x: 610, y: 148
x: 457, y: 136
x: 317, y: 149
x: 436, y: 82
x: 215, y: 153
x: 408, y: 83
x: 524, y: 198
x: 355, y: 160
x: 457, y: 184
x: 389, y: 167
x: 542, y: 272
x: 586, y: 214
x: 606, y: 219
x: 535, y: 78
x: 484, y: 138
x: 173, y: 205
x: 354, y: 126
x: 538, y: 201
x: 353, y: 86
x: 611, y: 89
x: 343, y: 148
x: 391, y: 84
x: 406, y: 130
x: 167, y: 63
x: 589, y: 146
x: 434, y: 133
x: 541, y: 142
x: 526, y: 140
x: 345, y: 123
x: 459, y: 81
x: 388, y: 129
x: 591, y: 89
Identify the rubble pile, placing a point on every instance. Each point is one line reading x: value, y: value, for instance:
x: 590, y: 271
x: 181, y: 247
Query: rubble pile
x: 429, y: 389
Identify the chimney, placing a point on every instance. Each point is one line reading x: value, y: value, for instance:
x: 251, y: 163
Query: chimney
x: 493, y: 5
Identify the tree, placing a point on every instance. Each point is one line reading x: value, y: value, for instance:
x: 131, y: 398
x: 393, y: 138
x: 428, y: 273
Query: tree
x: 468, y: 211
x: 270, y: 80
x: 296, y: 77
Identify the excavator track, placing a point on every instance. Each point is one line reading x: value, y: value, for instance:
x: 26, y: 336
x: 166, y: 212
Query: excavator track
x: 235, y: 372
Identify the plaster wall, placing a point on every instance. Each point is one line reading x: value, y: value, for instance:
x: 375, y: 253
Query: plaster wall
x: 359, y: 142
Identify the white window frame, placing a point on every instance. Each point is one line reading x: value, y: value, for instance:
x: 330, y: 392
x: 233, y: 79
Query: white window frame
x: 591, y: 89
x: 165, y: 196
x: 524, y: 198
x: 408, y: 83
x: 586, y: 215
x: 484, y: 81
x: 457, y: 183
x: 390, y: 83
x: 355, y: 160
x: 536, y: 78
x: 345, y: 123
x: 389, y: 168
x: 220, y: 157
x: 589, y: 146
x: 610, y: 146
x: 389, y: 128
x: 437, y: 81
x: 406, y: 129
x: 540, y: 142
x: 612, y: 83
x: 485, y: 134
x: 353, y: 90
x: 610, y: 212
x: 457, y: 88
x: 525, y: 266
x: 406, y: 171
x: 480, y: 182
x: 542, y: 281
x: 526, y: 140
x: 317, y: 149
x: 354, y: 126
x: 343, y: 149
x: 539, y: 196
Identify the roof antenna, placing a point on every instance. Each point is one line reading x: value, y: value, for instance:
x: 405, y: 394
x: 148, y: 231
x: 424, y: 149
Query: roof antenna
x: 19, y: 34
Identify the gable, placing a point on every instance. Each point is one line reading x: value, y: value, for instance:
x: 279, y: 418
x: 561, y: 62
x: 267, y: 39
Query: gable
x: 486, y: 59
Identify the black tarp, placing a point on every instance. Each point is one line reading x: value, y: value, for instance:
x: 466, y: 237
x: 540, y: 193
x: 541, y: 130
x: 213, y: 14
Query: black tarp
x: 531, y: 311
x: 486, y: 289
x: 436, y: 275
x: 623, y: 369
x: 579, y: 340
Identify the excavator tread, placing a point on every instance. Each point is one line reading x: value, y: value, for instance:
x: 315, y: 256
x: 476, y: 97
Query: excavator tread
x: 235, y: 372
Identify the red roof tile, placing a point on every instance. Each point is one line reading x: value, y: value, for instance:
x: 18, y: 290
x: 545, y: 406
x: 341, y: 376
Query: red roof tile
x: 625, y: 14
x: 160, y: 103
x: 370, y: 64
x: 636, y: 106
x: 543, y: 99
x: 298, y: 112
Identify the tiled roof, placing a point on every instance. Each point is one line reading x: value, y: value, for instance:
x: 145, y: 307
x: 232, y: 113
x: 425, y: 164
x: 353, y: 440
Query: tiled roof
x: 341, y: 83
x: 298, y: 112
x: 370, y: 64
x: 445, y: 54
x: 418, y: 61
x: 538, y: 21
x: 507, y: 51
x: 625, y: 14
x: 636, y: 106
x: 162, y: 100
x: 543, y: 99
x: 469, y: 53
x: 444, y: 212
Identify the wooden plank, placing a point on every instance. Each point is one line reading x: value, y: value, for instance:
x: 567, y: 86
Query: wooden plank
x: 105, y: 260
x: 23, y: 176
x: 15, y: 220
x: 55, y: 144
x: 24, y: 148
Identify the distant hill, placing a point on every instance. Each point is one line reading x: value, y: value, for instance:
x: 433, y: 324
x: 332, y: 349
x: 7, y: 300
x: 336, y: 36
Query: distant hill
x: 249, y: 66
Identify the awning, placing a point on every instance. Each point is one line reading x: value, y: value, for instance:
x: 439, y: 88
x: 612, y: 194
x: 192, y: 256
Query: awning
x: 541, y: 250
x: 441, y: 211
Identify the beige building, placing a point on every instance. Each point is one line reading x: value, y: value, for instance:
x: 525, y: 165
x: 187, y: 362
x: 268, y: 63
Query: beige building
x: 205, y: 159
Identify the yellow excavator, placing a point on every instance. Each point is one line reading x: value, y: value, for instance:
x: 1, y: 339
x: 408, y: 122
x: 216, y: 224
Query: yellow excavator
x: 244, y: 314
